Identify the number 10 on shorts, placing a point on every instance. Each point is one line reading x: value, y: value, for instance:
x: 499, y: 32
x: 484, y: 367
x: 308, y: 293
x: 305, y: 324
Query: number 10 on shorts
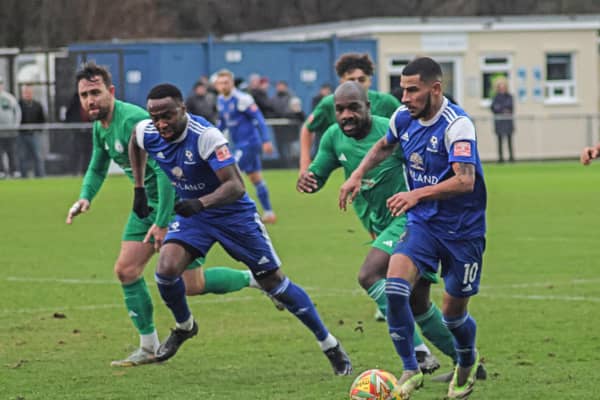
x: 470, y: 273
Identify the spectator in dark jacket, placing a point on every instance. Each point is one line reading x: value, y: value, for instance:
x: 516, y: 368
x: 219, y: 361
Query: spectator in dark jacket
x: 324, y: 90
x: 281, y: 100
x: 29, y: 142
x: 258, y: 88
x: 203, y: 103
x: 502, y: 107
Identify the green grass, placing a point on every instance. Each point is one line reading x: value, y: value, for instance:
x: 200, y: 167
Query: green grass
x: 537, y: 311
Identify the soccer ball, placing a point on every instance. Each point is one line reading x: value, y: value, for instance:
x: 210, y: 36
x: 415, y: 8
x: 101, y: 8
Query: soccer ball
x: 373, y: 384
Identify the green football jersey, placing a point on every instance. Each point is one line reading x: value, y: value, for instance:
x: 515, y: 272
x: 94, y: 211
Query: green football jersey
x: 338, y: 150
x: 323, y: 116
x: 112, y: 143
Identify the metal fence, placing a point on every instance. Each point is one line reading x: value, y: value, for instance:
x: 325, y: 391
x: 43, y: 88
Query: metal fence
x: 541, y: 137
x: 66, y: 147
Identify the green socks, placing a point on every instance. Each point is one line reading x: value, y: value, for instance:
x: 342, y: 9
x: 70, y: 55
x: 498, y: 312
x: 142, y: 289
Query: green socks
x: 221, y: 280
x: 377, y: 293
x: 139, y: 306
x: 217, y: 280
x: 434, y: 329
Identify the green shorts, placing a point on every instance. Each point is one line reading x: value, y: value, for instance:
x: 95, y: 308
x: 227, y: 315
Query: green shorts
x: 388, y: 238
x: 136, y: 229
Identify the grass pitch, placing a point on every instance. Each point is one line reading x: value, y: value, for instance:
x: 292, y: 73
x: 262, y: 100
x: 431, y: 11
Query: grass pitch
x: 62, y: 319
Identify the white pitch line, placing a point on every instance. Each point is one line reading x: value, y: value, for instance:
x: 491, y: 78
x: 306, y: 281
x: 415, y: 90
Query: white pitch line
x: 541, y: 297
x: 540, y: 284
x: 73, y: 281
x: 222, y: 299
x: 57, y: 280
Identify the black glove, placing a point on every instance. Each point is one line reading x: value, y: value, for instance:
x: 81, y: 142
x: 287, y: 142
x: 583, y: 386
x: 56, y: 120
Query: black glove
x: 140, y: 203
x: 189, y: 207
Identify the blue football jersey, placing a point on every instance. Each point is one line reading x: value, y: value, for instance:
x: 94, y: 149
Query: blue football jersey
x: 241, y: 118
x: 430, y: 148
x: 190, y: 161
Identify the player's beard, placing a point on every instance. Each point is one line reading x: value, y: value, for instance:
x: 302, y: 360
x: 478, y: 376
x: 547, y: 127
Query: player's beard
x: 101, y: 115
x: 426, y: 110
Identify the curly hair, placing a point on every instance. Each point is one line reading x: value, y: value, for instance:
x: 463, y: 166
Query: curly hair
x: 351, y: 61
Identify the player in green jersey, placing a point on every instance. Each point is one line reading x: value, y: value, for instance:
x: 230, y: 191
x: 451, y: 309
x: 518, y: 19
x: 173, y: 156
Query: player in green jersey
x: 145, y: 229
x: 349, y: 67
x: 344, y: 145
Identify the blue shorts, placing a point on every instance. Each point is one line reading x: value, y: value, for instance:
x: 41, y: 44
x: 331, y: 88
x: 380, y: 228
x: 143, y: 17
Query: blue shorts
x: 461, y: 260
x: 248, y: 158
x: 243, y: 236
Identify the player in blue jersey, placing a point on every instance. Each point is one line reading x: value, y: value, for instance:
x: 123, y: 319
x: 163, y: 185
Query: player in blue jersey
x: 446, y: 217
x: 241, y: 118
x: 214, y: 207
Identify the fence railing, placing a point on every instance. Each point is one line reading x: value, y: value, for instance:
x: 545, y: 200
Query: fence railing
x: 541, y: 137
x: 66, y: 147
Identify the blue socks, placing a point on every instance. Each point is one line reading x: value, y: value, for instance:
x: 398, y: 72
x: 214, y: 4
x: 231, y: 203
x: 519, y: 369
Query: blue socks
x: 463, y: 329
x: 263, y: 195
x: 298, y: 303
x: 172, y: 291
x: 401, y: 323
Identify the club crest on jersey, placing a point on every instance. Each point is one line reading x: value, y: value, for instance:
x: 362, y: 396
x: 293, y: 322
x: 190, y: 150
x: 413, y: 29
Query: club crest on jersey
x: 231, y: 107
x: 118, y: 147
x: 432, y: 146
x: 223, y: 153
x: 174, y: 227
x: 177, y: 172
x: 416, y: 162
x: 189, y: 157
x: 462, y: 149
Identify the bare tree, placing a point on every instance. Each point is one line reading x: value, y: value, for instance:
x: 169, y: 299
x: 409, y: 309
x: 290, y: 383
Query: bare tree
x: 51, y: 23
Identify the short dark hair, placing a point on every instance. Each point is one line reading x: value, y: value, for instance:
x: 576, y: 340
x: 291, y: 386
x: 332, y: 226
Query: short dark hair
x: 351, y: 61
x: 425, y: 67
x: 90, y: 69
x: 165, y: 90
x: 198, y: 84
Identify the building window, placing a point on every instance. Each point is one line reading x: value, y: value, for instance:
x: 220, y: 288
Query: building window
x: 493, y: 68
x: 560, y: 80
x: 451, y: 70
x: 395, y: 67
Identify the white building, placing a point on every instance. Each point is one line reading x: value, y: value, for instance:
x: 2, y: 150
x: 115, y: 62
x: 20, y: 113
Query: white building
x: 552, y: 64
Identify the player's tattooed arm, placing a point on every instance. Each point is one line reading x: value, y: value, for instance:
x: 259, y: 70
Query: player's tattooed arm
x: 465, y: 176
x: 462, y: 182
